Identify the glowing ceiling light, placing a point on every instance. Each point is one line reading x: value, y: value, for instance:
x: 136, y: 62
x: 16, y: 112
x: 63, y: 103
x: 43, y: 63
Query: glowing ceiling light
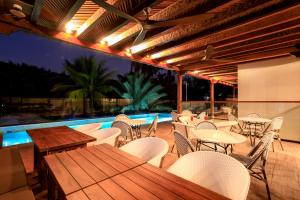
x: 103, y: 42
x: 170, y: 61
x: 112, y: 39
x: 138, y: 48
x: 196, y: 72
x: 216, y: 78
x: 70, y: 28
x: 128, y: 52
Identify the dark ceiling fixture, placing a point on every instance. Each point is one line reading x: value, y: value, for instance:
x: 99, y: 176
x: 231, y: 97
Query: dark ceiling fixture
x: 209, y: 53
x: 17, y: 12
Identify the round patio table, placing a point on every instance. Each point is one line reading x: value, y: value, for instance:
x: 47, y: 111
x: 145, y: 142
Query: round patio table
x: 224, y: 124
x: 254, y: 121
x: 218, y: 137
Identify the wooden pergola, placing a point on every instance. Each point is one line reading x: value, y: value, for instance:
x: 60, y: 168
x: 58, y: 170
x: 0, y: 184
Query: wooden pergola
x: 239, y: 31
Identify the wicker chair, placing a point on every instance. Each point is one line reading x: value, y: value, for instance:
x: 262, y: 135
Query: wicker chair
x: 239, y: 127
x: 215, y: 171
x: 88, y: 128
x: 201, y: 116
x: 185, y: 119
x: 150, y: 149
x: 205, y: 125
x: 106, y: 135
x: 184, y: 129
x: 174, y: 116
x: 152, y: 128
x: 259, y: 152
x: 187, y: 112
x: 276, y: 125
x: 183, y: 144
x: 121, y: 117
x: 127, y: 133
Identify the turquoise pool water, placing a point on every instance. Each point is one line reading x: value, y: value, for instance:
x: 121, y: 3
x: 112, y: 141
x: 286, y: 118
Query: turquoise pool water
x: 14, y: 135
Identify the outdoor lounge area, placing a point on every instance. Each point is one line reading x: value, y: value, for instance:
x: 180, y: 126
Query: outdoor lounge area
x: 149, y: 99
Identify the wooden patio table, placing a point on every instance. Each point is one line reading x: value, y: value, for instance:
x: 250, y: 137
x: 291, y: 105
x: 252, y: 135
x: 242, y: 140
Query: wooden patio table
x: 55, y: 139
x: 106, y: 172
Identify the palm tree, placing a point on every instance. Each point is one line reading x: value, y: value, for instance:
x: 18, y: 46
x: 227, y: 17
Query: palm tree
x: 88, y: 80
x: 144, y: 95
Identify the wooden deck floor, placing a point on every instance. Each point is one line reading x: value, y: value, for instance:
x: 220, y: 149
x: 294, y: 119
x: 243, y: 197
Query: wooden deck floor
x: 283, y: 168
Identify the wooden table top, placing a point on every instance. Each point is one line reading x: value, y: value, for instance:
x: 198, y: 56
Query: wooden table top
x: 145, y: 182
x: 80, y: 168
x: 54, y: 138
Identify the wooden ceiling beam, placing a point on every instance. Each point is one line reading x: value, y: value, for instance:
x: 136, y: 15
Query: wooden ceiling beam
x: 105, y: 23
x: 176, y: 9
x: 246, y: 50
x: 71, y: 39
x: 75, y: 7
x: 292, y: 39
x: 246, y: 58
x: 218, y: 71
x: 240, y: 32
x: 223, y: 69
x: 234, y: 14
x: 273, y: 38
x: 259, y: 49
x: 222, y: 74
x: 37, y: 7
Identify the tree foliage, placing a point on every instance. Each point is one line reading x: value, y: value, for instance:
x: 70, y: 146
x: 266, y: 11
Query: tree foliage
x: 89, y: 79
x: 143, y: 93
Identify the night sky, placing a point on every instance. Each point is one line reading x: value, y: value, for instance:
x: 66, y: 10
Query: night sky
x: 50, y: 54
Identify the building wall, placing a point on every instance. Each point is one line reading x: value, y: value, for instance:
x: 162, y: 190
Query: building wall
x: 272, y: 80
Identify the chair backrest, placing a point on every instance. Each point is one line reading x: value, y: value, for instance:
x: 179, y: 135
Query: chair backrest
x: 88, y: 128
x: 206, y: 125
x: 183, y: 145
x: 253, y: 115
x: 185, y: 119
x: 150, y: 149
x: 261, y: 150
x: 107, y: 135
x: 174, y: 116
x: 12, y: 171
x: 152, y: 128
x: 215, y: 171
x: 276, y: 124
x: 126, y: 129
x: 121, y: 117
x: 231, y: 117
x: 187, y: 112
x: 184, y: 129
x: 201, y: 116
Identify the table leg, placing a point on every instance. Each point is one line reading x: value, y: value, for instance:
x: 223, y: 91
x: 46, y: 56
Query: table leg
x: 51, y: 188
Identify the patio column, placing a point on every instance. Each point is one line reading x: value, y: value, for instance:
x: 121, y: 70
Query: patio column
x: 212, y: 98
x: 179, y: 92
x: 233, y: 92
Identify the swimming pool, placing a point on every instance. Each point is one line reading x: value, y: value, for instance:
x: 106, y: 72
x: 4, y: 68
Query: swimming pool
x: 13, y: 135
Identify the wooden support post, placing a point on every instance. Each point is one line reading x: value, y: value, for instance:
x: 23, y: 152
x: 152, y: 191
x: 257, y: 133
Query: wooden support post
x: 212, y: 98
x: 179, y: 92
x: 233, y: 92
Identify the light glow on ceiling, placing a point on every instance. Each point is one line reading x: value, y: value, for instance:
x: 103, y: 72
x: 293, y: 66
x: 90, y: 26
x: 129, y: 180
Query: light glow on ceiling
x: 70, y: 28
x: 139, y: 47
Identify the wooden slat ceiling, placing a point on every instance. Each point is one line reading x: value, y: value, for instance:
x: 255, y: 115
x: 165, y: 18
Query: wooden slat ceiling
x: 239, y: 30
